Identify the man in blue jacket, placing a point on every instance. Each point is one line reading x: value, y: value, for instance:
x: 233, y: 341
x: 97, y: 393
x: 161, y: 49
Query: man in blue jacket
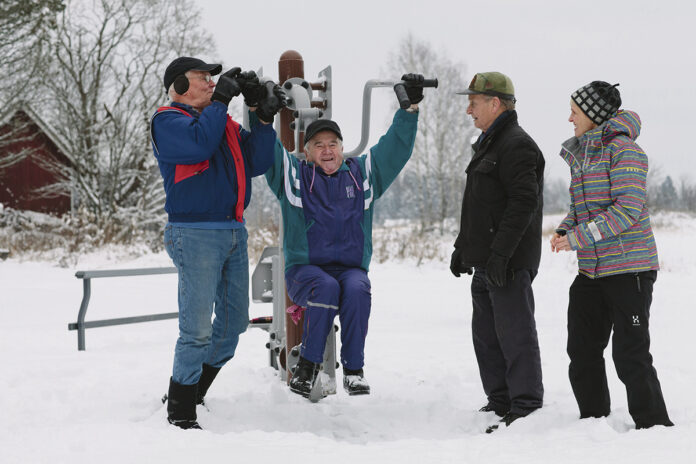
x: 207, y: 160
x: 327, y: 204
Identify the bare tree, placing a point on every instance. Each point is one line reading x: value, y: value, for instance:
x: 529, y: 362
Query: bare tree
x: 105, y: 83
x: 687, y: 194
x: 24, y: 30
x: 556, y: 195
x: 444, y: 132
x: 14, y: 133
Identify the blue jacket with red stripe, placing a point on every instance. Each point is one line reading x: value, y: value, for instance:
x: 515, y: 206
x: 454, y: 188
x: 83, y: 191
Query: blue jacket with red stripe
x: 197, y: 164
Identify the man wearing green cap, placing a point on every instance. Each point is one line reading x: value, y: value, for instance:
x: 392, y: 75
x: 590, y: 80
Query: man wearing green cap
x: 500, y: 243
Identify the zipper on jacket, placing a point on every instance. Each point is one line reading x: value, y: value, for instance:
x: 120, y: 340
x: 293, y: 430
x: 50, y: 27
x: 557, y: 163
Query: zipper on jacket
x: 638, y: 281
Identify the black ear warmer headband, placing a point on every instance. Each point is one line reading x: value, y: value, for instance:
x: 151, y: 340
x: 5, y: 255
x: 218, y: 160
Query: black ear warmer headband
x: 181, y: 84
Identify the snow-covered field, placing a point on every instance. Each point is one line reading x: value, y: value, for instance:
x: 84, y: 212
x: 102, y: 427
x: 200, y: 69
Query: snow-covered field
x: 58, y: 405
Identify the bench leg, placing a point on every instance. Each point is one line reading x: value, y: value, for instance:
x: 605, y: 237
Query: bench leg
x: 86, y: 293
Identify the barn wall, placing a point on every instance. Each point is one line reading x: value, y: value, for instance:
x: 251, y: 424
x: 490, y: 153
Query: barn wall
x: 19, y: 181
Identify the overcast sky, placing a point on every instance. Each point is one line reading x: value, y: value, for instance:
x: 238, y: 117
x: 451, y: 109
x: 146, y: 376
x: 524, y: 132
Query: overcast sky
x: 548, y: 48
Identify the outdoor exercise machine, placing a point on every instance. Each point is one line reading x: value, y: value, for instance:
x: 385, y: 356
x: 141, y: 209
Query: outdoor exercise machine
x: 268, y: 278
x: 306, y: 103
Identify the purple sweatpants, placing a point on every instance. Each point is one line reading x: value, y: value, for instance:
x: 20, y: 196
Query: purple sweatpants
x: 325, y: 291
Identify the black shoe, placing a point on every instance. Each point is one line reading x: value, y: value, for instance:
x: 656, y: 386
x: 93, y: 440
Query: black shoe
x: 507, y: 419
x: 207, y: 376
x: 303, y: 377
x: 666, y: 423
x: 354, y: 382
x: 181, y: 405
x: 490, y: 408
x: 185, y: 424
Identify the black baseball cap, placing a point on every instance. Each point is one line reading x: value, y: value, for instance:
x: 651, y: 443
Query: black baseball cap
x: 321, y: 125
x: 185, y: 63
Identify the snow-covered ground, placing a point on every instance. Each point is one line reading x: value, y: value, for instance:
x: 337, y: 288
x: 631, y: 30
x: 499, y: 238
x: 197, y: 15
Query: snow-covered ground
x: 58, y: 405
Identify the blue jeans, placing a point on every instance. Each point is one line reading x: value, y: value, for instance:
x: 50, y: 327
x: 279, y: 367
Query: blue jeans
x: 213, y: 277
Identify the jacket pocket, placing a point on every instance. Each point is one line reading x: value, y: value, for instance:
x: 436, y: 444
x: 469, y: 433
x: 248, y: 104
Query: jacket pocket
x: 610, y: 250
x: 184, y: 171
x: 485, y: 166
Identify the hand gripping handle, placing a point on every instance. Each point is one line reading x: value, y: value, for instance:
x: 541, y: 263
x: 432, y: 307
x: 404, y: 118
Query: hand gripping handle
x: 402, y: 96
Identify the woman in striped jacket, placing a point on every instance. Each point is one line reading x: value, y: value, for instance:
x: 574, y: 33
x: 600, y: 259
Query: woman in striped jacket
x: 608, y: 225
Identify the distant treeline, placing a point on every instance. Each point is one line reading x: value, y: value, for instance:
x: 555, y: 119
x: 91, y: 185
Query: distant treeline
x: 663, y: 195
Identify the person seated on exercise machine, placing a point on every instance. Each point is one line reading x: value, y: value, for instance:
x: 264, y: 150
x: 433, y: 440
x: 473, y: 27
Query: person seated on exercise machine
x: 327, y: 203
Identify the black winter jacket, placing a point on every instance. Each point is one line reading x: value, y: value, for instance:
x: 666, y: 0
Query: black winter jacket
x: 503, y: 198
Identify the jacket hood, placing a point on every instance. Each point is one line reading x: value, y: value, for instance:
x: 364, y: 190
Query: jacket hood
x: 624, y: 123
x: 576, y: 149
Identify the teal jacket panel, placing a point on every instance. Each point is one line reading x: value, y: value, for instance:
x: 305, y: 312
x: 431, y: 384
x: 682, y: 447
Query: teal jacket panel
x: 289, y: 179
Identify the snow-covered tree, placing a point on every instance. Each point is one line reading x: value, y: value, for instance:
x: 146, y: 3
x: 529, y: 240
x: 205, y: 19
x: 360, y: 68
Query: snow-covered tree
x: 556, y: 195
x: 102, y: 86
x: 687, y: 195
x: 666, y: 197
x: 25, y: 27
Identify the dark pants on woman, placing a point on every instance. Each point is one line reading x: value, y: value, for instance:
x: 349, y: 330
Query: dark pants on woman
x: 622, y: 303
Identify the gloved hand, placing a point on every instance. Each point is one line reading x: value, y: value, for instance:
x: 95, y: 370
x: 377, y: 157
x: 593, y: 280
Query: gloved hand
x: 456, y: 264
x: 414, y: 87
x: 272, y: 101
x: 251, y: 88
x: 227, y: 87
x: 496, y: 270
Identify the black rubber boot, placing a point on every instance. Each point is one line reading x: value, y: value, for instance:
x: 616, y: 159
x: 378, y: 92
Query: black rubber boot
x: 354, y: 382
x: 181, y: 405
x: 207, y: 376
x: 303, y: 377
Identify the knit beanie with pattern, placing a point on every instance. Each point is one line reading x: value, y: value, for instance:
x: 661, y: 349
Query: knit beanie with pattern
x: 599, y: 100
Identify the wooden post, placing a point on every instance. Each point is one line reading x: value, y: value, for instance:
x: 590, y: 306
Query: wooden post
x: 290, y: 65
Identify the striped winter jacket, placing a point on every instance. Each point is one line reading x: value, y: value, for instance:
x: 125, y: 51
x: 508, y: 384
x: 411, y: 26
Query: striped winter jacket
x: 608, y: 223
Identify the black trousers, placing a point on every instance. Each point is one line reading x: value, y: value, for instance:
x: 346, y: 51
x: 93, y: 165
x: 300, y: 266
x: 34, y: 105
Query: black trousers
x: 622, y: 303
x: 505, y: 342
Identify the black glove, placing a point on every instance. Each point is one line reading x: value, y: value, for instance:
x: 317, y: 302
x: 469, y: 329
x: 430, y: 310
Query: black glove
x: 227, y: 87
x: 456, y: 264
x: 272, y: 101
x: 414, y: 86
x: 251, y: 88
x: 496, y: 270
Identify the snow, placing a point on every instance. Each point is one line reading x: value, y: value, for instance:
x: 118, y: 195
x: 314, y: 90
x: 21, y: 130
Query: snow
x: 103, y: 405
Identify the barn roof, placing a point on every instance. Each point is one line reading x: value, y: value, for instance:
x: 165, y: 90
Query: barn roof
x: 46, y: 128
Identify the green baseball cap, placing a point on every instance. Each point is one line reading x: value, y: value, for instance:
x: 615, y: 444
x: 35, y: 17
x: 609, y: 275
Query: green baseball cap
x: 492, y: 83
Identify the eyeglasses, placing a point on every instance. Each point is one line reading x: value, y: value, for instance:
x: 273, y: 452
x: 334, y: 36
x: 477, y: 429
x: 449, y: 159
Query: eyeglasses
x: 206, y: 77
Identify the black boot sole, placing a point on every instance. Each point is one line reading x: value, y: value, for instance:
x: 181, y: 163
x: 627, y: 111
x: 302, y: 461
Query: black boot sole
x: 185, y: 424
x: 358, y: 393
x: 302, y: 393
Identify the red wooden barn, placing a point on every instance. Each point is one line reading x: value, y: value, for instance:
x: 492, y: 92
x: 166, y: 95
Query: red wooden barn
x: 23, y: 129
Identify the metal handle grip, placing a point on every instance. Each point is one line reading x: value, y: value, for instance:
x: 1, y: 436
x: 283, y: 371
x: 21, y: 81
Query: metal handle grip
x: 401, y: 95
